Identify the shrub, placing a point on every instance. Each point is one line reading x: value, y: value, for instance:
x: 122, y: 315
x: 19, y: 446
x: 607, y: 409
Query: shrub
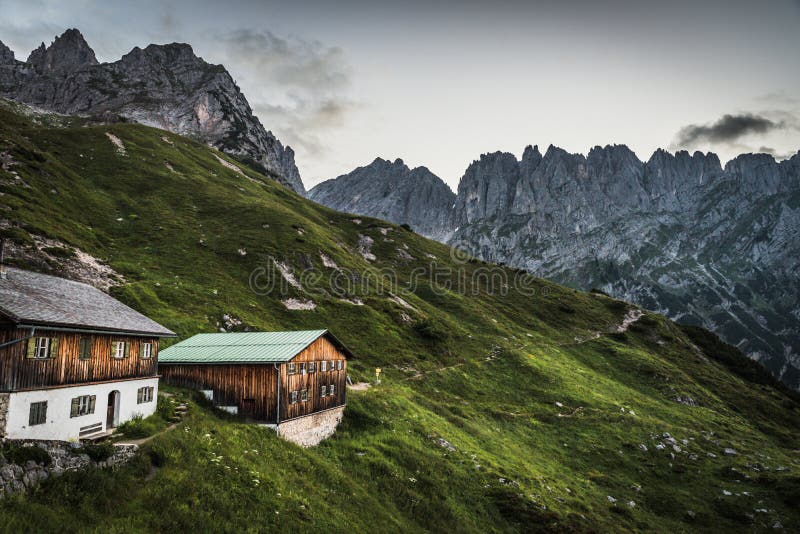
x: 99, y: 452
x: 18, y: 454
x: 139, y: 427
x: 429, y: 329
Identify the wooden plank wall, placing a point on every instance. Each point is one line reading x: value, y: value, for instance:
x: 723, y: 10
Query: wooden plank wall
x: 321, y: 349
x: 232, y: 384
x: 235, y: 384
x: 20, y: 373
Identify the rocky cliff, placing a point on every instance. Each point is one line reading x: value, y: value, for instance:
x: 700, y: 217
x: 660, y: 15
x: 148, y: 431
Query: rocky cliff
x: 678, y: 233
x: 166, y: 86
x: 391, y: 191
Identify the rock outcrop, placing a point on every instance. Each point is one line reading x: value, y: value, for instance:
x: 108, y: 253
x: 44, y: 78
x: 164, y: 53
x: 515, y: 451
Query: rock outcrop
x: 678, y: 234
x: 393, y: 192
x: 166, y: 86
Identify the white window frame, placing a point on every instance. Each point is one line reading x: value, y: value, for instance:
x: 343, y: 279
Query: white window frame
x: 84, y: 406
x: 312, y: 367
x: 291, y: 368
x: 302, y: 368
x: 147, y: 350
x: 293, y: 397
x: 146, y: 395
x: 332, y: 390
x: 42, y: 348
x: 323, y: 366
x: 304, y: 395
x: 119, y: 350
x: 323, y: 392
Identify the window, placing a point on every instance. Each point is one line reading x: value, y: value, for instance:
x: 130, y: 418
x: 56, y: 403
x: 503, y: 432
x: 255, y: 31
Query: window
x: 302, y: 368
x: 323, y: 366
x: 144, y: 395
x: 83, y: 405
x: 304, y: 394
x: 38, y: 413
x: 42, y: 348
x: 291, y: 369
x: 293, y: 397
x: 146, y: 351
x: 85, y: 348
x: 119, y: 349
x: 312, y: 367
x: 324, y: 391
x: 340, y: 365
x: 332, y: 390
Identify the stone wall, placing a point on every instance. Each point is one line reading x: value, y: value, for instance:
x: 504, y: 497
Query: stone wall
x: 64, y: 456
x: 312, y: 429
x: 3, y: 413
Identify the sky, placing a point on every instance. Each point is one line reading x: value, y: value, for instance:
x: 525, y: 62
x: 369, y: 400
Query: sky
x: 438, y: 83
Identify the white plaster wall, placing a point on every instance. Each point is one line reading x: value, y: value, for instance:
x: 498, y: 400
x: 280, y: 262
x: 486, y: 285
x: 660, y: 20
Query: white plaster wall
x: 59, y: 425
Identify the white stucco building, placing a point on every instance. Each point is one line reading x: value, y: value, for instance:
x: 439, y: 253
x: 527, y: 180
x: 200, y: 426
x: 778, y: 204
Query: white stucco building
x: 74, y: 362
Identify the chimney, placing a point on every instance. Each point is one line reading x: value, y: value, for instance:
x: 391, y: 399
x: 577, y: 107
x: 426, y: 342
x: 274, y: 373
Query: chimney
x: 3, y: 273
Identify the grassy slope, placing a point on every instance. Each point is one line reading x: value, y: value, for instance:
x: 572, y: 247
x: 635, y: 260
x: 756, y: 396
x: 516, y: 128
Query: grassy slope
x: 494, y: 367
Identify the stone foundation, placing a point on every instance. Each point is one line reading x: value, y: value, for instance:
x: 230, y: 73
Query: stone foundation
x: 3, y: 413
x: 310, y: 430
x: 64, y: 457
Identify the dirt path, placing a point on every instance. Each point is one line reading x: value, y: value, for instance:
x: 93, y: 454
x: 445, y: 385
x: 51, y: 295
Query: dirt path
x: 142, y: 441
x: 631, y: 317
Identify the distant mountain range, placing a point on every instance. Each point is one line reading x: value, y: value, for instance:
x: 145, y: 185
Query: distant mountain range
x: 166, y: 86
x: 678, y: 234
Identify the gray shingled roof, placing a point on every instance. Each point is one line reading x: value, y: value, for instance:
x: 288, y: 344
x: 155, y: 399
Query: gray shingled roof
x: 39, y: 299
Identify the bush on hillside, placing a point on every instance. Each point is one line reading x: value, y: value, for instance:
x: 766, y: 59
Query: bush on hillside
x: 20, y: 455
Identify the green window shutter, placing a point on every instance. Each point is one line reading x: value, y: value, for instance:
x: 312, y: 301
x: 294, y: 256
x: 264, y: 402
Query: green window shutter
x: 31, y: 348
x: 92, y: 400
x: 127, y: 348
x: 113, y: 348
x: 75, y: 406
x: 53, y: 347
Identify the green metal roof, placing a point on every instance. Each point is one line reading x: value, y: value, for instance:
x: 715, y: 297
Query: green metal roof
x: 243, y: 347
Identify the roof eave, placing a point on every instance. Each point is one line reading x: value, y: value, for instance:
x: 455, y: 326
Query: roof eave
x: 24, y: 323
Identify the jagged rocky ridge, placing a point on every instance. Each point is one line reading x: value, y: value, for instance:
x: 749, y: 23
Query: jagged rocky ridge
x: 678, y: 234
x: 391, y: 191
x: 166, y: 86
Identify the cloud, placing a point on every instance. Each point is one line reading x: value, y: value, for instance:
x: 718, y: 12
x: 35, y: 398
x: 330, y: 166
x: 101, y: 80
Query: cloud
x: 299, y: 88
x: 727, y: 129
x: 778, y: 155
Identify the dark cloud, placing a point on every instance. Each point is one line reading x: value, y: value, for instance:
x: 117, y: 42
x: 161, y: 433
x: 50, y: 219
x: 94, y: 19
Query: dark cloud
x: 299, y: 88
x: 727, y: 129
x: 775, y: 153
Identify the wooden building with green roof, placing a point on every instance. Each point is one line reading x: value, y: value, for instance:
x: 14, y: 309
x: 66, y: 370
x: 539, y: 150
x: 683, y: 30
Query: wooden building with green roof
x: 267, y: 377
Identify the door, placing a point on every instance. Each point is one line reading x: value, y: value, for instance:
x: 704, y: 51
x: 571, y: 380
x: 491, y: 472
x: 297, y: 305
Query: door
x: 112, y: 412
x: 248, y: 409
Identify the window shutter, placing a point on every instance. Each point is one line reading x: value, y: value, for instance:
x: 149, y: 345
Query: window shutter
x: 92, y: 400
x: 53, y: 348
x: 139, y: 395
x: 31, y: 348
x: 113, y: 348
x: 127, y: 348
x: 75, y: 407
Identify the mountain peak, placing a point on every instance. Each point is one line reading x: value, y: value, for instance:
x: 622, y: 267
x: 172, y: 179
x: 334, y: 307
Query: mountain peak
x: 68, y: 52
x: 6, y: 55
